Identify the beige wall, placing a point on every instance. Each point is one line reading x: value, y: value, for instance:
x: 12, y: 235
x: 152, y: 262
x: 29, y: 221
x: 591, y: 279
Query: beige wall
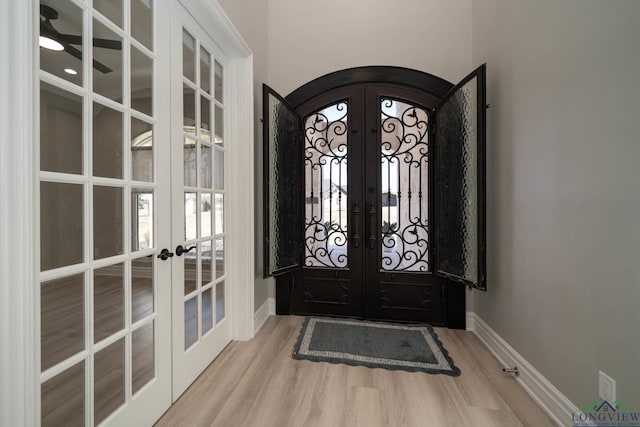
x: 308, y: 39
x: 563, y: 197
x: 250, y: 19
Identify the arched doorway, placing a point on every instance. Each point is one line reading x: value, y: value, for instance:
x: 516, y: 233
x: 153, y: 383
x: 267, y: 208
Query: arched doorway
x: 364, y: 201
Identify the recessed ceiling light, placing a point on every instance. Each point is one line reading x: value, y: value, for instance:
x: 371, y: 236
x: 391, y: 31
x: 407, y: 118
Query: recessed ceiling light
x: 49, y: 43
x: 70, y: 71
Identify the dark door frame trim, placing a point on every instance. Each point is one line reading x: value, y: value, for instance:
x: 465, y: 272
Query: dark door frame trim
x: 372, y: 74
x: 410, y: 78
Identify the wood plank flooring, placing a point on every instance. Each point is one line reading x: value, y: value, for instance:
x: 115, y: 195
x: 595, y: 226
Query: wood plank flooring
x: 257, y: 383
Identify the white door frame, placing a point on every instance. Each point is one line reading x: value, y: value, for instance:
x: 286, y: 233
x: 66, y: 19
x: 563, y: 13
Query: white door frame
x: 17, y: 216
x: 19, y: 28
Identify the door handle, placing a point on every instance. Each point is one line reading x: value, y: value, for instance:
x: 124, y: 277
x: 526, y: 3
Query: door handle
x: 355, y: 223
x: 182, y: 250
x: 372, y: 226
x: 165, y: 254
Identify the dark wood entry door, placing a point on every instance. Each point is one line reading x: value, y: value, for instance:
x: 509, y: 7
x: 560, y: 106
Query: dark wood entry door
x: 367, y: 206
x: 366, y: 220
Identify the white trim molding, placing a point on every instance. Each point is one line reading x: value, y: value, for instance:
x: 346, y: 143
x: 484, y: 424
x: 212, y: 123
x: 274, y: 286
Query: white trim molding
x: 267, y: 309
x: 556, y: 404
x: 17, y: 222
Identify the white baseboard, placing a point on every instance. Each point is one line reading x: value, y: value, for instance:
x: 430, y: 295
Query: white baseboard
x: 556, y: 404
x: 268, y: 308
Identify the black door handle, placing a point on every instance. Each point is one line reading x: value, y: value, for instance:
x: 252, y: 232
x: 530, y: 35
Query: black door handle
x: 181, y: 250
x: 372, y: 226
x: 355, y: 219
x: 164, y: 254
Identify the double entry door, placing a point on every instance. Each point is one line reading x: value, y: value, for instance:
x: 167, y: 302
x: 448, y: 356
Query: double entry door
x: 374, y: 198
x: 132, y: 291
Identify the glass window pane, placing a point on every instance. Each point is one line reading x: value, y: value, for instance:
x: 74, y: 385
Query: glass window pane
x: 219, y: 169
x: 142, y: 22
x: 205, y: 119
x: 219, y: 82
x: 141, y: 150
x: 141, y: 219
x: 60, y: 130
x: 205, y: 215
x: 457, y: 153
x: 63, y: 398
x: 190, y: 209
x: 141, y: 82
x: 108, y: 301
x: 190, y: 169
x: 61, y: 225
x: 205, y: 70
x: 61, y: 319
x: 107, y: 141
x: 218, y: 213
x: 107, y: 221
x: 219, y: 258
x: 220, y: 302
x: 190, y: 322
x: 190, y: 271
x: 142, y: 304
x: 188, y: 56
x: 207, y: 311
x: 205, y: 152
x: 112, y: 9
x: 142, y: 357
x: 219, y: 119
x: 404, y: 171
x: 206, y: 263
x: 189, y: 111
x: 107, y: 65
x: 326, y: 187
x: 57, y: 57
x: 108, y: 390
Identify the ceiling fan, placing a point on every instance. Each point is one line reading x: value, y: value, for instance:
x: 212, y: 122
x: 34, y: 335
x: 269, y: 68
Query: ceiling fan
x: 60, y: 41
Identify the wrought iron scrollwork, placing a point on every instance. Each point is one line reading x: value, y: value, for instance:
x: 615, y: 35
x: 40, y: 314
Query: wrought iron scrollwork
x: 405, y: 158
x: 326, y: 187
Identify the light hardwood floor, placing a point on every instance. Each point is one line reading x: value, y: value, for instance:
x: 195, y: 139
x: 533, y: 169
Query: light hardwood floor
x: 257, y: 383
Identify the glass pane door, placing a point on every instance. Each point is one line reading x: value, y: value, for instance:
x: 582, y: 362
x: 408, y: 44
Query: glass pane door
x: 199, y: 145
x: 103, y: 336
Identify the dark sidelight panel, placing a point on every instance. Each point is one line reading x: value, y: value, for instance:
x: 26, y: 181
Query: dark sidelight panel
x: 459, y: 142
x: 282, y: 186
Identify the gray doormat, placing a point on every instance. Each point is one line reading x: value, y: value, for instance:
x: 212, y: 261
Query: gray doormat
x: 414, y: 348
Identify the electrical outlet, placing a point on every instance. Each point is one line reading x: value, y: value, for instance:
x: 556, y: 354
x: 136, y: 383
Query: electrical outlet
x: 606, y: 387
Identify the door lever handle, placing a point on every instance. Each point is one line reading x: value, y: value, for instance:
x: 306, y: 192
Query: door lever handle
x: 182, y: 250
x: 165, y: 254
x: 355, y: 223
x: 372, y: 226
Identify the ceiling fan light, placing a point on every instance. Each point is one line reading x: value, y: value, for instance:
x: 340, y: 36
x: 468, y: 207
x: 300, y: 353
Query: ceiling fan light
x: 51, y: 44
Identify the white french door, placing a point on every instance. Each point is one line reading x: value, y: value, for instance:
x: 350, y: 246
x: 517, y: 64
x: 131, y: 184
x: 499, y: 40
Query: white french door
x: 133, y: 297
x: 200, y: 295
x: 105, y: 210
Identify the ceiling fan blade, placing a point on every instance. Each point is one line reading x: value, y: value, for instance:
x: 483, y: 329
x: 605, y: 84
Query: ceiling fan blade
x: 76, y: 53
x: 71, y: 39
x: 97, y: 42
x: 107, y: 44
